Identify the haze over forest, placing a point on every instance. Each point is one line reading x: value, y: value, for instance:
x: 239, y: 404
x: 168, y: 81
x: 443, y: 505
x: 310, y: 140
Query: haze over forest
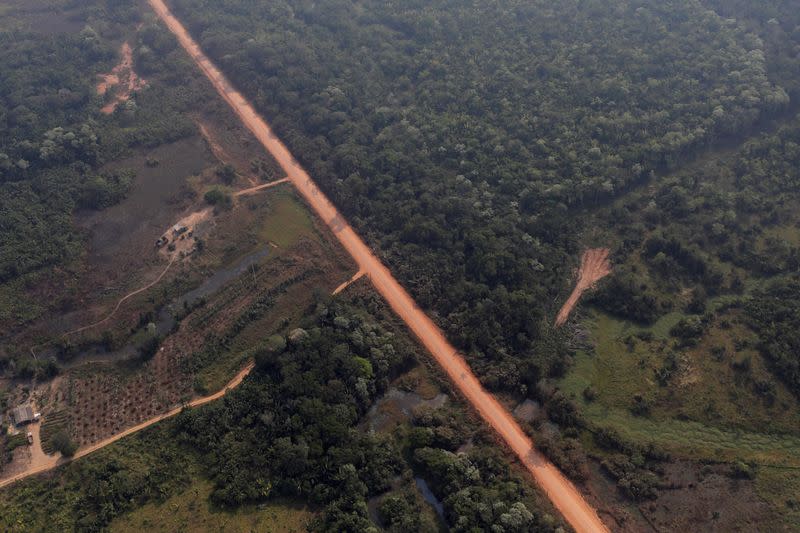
x: 356, y: 265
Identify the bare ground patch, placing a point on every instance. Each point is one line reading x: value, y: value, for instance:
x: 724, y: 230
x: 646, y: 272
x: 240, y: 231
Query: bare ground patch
x: 121, y: 82
x: 594, y: 267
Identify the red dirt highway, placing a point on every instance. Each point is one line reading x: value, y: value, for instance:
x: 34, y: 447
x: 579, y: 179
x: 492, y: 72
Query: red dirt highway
x: 564, y: 495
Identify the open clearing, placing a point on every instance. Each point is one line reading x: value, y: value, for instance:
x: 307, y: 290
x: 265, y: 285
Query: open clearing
x: 121, y: 82
x: 713, y: 397
x: 191, y: 511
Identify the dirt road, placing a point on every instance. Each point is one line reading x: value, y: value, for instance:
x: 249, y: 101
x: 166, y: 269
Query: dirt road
x: 566, y: 498
x: 122, y: 300
x: 41, y: 462
x: 257, y: 188
x: 357, y: 276
x: 109, y: 315
x: 594, y: 267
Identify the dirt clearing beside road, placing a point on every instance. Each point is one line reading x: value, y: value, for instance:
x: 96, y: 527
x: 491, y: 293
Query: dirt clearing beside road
x: 594, y: 267
x: 122, y: 77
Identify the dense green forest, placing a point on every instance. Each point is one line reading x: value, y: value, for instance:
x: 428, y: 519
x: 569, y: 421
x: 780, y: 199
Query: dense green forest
x: 54, y: 142
x: 479, y: 148
x: 462, y: 140
x: 290, y: 430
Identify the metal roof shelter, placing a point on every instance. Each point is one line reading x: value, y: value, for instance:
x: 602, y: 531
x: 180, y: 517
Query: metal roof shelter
x: 22, y: 414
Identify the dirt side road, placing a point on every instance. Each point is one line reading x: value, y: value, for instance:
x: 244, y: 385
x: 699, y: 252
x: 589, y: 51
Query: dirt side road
x: 42, y: 462
x: 566, y: 498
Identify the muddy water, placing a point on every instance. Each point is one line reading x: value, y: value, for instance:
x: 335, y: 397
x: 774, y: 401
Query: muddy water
x: 395, y: 399
x: 166, y: 317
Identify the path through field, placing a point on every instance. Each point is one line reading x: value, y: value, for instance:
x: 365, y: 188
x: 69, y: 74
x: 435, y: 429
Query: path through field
x: 257, y: 188
x: 564, y: 495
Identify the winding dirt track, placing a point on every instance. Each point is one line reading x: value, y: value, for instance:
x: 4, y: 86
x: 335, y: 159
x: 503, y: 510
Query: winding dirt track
x: 122, y: 301
x: 566, y: 498
x: 113, y: 311
x: 258, y: 188
x: 42, y: 463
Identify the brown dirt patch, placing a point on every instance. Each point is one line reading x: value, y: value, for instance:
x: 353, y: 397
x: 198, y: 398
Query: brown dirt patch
x: 122, y: 78
x: 594, y: 267
x: 709, y: 502
x: 181, y: 245
x: 232, y: 144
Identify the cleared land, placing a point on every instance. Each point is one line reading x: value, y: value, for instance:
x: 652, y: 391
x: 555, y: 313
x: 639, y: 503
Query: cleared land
x: 123, y: 79
x: 594, y: 267
x: 44, y: 462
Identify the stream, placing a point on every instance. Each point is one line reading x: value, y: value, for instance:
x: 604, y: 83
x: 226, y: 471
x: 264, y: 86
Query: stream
x: 165, y: 320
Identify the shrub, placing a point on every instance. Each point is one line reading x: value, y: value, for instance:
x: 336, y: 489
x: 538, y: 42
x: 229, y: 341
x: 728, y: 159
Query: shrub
x: 63, y: 443
x: 218, y: 198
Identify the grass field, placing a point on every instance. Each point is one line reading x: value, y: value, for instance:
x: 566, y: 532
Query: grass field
x: 709, y: 408
x: 287, y: 221
x: 781, y: 487
x: 706, y: 410
x: 695, y: 440
x: 190, y: 511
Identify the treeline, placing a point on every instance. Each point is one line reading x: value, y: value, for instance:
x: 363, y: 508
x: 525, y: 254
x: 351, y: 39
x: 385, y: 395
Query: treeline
x: 775, y: 315
x: 291, y: 431
x: 457, y: 137
x: 710, y: 229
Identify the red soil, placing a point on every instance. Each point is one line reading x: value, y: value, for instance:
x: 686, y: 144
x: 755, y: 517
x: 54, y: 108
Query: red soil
x: 123, y: 74
x: 594, y: 267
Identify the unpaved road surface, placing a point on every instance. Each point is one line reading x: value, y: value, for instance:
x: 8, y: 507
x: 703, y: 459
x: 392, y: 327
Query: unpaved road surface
x: 594, y: 267
x: 566, y: 498
x: 257, y: 188
x: 357, y: 276
x: 41, y: 462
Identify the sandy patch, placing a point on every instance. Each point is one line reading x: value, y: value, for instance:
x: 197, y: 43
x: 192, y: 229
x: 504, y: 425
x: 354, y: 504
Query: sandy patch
x: 594, y: 267
x: 179, y: 239
x: 122, y: 76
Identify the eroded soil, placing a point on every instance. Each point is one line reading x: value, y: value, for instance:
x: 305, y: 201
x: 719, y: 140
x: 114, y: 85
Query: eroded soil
x: 122, y: 79
x: 594, y: 267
